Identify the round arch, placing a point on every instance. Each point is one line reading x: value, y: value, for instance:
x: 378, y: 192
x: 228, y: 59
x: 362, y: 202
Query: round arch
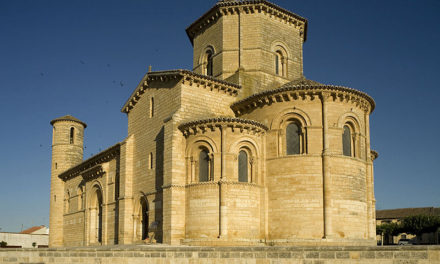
x: 280, y: 45
x: 291, y: 113
x: 198, y: 141
x: 351, y: 118
x: 246, y: 165
x: 96, y: 213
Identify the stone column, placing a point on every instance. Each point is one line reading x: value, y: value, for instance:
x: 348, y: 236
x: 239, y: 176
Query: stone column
x: 371, y: 226
x: 222, y: 200
x: 326, y: 177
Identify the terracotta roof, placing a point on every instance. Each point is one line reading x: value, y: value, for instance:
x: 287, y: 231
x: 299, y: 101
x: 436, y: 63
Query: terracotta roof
x: 68, y: 118
x: 404, y: 212
x: 32, y: 229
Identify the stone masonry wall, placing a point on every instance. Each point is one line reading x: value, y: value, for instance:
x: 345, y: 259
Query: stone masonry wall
x: 220, y: 255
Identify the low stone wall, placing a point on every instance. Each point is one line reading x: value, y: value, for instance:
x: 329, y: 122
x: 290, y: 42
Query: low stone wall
x: 219, y: 255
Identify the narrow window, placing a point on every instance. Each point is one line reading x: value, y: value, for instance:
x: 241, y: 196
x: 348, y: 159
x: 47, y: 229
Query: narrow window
x: 151, y: 107
x: 56, y: 165
x: 150, y: 160
x: 243, y: 166
x: 72, y: 133
x: 280, y: 63
x: 204, y: 166
x: 209, y: 63
x: 346, y: 141
x: 293, y: 139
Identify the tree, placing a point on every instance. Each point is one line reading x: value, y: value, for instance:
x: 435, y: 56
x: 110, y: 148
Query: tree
x: 419, y: 224
x: 3, y: 244
x: 388, y: 229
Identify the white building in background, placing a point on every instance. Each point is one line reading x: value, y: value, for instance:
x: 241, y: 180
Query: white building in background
x: 36, y: 236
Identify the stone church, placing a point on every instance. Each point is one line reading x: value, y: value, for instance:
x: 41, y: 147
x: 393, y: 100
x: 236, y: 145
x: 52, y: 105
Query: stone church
x: 242, y: 150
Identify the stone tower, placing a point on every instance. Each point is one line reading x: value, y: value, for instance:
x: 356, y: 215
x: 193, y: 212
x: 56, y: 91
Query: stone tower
x: 67, y: 151
x: 255, y: 44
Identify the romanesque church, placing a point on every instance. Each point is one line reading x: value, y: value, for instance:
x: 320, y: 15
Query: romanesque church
x: 240, y: 150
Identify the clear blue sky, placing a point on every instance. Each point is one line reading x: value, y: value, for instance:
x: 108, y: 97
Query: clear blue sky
x: 84, y: 58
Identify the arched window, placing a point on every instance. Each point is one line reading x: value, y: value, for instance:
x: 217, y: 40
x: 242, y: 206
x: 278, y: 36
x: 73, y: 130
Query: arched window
x: 151, y: 107
x: 280, y: 63
x: 72, y: 134
x: 293, y: 139
x: 144, y: 219
x: 243, y: 168
x: 347, y: 143
x: 207, y: 62
x: 150, y: 160
x: 209, y: 65
x: 204, y: 166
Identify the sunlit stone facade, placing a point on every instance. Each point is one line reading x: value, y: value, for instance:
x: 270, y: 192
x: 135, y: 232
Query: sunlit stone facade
x: 243, y: 150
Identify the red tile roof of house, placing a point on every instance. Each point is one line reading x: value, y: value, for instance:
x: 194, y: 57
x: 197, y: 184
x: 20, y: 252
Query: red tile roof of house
x: 32, y: 229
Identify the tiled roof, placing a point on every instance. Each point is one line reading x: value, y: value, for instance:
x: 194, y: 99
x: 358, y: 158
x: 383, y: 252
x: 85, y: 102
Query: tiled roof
x: 404, y: 212
x: 32, y: 229
x: 68, y: 118
x: 298, y: 85
x: 180, y: 74
x: 273, y: 9
x: 91, y: 162
x: 303, y: 82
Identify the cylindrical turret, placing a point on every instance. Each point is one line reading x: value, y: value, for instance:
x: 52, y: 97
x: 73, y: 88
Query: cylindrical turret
x: 67, y: 151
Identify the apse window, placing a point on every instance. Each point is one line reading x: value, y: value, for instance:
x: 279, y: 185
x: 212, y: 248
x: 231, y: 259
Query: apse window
x: 205, y: 167
x: 243, y: 166
x: 347, y: 142
x: 293, y: 139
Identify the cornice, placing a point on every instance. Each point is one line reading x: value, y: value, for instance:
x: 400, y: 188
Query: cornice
x: 93, y: 173
x: 301, y: 91
x: 223, y: 8
x: 91, y: 163
x: 173, y: 186
x: 186, y: 77
x: 220, y: 182
x: 194, y: 127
